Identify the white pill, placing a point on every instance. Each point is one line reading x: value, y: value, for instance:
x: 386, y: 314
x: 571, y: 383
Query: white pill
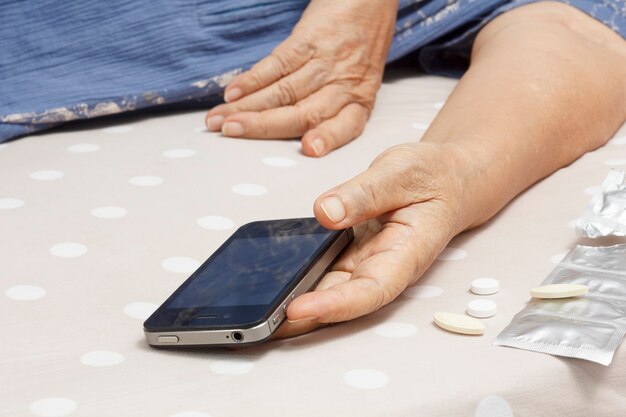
x: 481, y: 308
x: 485, y: 286
x: 459, y: 323
x: 559, y: 291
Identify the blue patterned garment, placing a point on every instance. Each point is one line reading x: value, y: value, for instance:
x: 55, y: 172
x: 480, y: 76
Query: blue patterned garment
x: 62, y: 61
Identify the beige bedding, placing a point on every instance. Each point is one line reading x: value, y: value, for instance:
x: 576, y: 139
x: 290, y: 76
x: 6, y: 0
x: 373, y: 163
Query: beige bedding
x: 101, y: 223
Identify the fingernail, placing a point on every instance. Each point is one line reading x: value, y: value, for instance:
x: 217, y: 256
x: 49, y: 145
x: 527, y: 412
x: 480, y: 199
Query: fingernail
x: 318, y: 146
x: 232, y: 95
x: 215, y: 123
x: 232, y: 129
x: 334, y: 209
x: 303, y: 319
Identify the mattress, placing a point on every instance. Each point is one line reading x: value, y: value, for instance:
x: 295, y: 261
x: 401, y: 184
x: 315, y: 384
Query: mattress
x: 101, y: 221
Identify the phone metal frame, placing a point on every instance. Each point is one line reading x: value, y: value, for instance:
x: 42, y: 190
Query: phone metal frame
x: 260, y: 332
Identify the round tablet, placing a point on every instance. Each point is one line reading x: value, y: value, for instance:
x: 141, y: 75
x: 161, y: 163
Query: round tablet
x: 559, y: 291
x: 485, y: 286
x: 459, y: 323
x: 481, y: 308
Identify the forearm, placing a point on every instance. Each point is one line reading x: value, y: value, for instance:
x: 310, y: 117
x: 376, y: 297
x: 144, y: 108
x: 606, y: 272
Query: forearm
x: 538, y: 94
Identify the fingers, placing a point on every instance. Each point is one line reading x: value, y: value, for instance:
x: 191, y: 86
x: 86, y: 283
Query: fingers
x: 297, y: 327
x: 292, y: 329
x: 336, y: 132
x: 396, y: 179
x: 378, y: 279
x: 385, y: 262
x: 285, y: 59
x: 320, y: 119
x: 285, y: 92
x: 290, y: 121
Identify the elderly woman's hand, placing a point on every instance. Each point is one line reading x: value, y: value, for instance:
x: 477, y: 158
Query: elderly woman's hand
x: 319, y: 84
x: 407, y: 206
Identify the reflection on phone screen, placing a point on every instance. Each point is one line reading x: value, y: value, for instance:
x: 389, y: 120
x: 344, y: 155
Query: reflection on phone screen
x: 250, y: 271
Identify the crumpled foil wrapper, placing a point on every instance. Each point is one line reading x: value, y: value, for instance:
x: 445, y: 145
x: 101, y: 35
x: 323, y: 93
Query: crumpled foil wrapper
x: 606, y: 213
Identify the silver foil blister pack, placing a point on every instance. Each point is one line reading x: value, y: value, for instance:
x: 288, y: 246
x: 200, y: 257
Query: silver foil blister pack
x: 606, y: 213
x: 589, y: 327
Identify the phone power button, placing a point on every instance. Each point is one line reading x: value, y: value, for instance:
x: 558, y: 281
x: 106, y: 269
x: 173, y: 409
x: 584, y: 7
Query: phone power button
x: 168, y: 339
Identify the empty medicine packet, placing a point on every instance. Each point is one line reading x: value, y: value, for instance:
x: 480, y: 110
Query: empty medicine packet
x: 562, y: 336
x: 589, y: 327
x: 605, y: 214
x: 609, y: 258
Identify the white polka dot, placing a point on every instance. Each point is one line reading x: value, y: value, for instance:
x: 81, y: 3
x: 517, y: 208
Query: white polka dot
x: 145, y: 180
x: 202, y: 129
x: 277, y: 161
x: 395, y: 329
x: 140, y: 309
x: 83, y: 148
x: 439, y: 105
x: 10, y: 203
x: 557, y: 258
x: 215, y: 223
x: 179, y: 153
x: 25, y: 292
x: 47, y: 175
x: 118, y: 129
x: 53, y: 407
x: 180, y: 264
x: 615, y: 162
x: 493, y: 406
x: 190, y: 414
x: 68, y: 250
x: 365, y: 378
x: 101, y: 358
x: 452, y: 254
x: 249, y: 189
x: 420, y: 125
x: 109, y: 212
x: 423, y: 291
x: 592, y: 190
x: 232, y: 367
x: 620, y: 140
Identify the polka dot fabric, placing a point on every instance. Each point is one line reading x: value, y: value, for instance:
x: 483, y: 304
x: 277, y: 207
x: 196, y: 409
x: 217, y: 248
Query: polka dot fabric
x: 100, y: 224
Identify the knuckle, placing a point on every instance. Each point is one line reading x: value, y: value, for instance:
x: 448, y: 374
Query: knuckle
x: 329, y: 136
x: 254, y: 79
x: 286, y: 94
x: 304, y: 48
x: 263, y: 127
x: 371, y: 204
x: 380, y: 294
x: 358, y: 125
x: 280, y: 64
x: 285, y: 57
x: 309, y: 119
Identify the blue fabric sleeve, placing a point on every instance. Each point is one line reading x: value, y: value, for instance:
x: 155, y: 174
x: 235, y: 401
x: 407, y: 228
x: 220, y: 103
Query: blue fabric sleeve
x: 63, y: 61
x: 449, y: 55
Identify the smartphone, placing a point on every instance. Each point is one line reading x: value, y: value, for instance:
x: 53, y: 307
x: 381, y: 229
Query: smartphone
x: 239, y: 296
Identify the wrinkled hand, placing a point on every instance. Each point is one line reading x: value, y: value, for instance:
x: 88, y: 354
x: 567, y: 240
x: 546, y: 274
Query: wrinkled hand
x: 319, y: 84
x: 407, y: 206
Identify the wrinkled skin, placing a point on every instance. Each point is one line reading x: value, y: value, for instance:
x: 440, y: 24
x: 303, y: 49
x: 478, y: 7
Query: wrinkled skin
x: 320, y: 84
x: 405, y: 212
x: 477, y: 155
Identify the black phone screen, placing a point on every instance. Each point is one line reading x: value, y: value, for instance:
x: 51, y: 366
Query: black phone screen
x: 246, y: 278
x: 250, y: 271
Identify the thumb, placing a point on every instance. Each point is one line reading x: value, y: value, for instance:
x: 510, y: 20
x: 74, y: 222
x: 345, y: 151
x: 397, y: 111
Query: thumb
x: 397, y: 178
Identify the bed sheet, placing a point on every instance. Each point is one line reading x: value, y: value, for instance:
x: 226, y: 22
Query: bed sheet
x: 100, y: 223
